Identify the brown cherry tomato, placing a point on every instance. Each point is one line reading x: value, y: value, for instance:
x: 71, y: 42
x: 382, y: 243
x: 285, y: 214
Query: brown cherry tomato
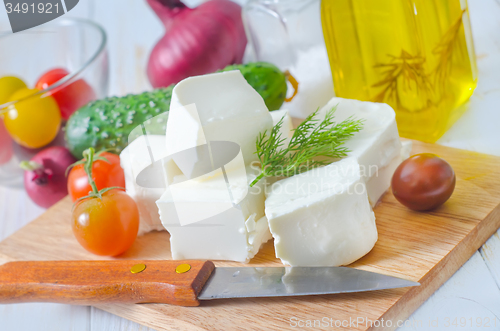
x: 423, y: 182
x: 106, y: 226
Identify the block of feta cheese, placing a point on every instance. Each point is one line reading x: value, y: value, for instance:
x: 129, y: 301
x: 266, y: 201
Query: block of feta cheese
x: 215, y: 219
x: 406, y: 147
x: 377, y: 146
x: 287, y: 126
x: 215, y: 107
x: 321, y: 217
x: 136, y: 157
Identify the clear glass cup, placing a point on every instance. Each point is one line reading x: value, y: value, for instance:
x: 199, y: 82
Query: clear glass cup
x: 77, y: 45
x: 288, y: 33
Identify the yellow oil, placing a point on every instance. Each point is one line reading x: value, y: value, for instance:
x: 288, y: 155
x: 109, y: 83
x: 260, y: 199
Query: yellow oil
x: 415, y: 55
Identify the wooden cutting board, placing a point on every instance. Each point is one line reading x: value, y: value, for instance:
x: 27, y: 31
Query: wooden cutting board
x: 425, y: 247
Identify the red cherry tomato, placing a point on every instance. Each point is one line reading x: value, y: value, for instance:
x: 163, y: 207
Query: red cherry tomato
x: 104, y: 174
x: 106, y: 226
x: 6, y: 147
x: 423, y: 182
x: 69, y: 98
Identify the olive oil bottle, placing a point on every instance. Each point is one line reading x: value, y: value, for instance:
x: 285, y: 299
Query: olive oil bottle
x: 415, y: 55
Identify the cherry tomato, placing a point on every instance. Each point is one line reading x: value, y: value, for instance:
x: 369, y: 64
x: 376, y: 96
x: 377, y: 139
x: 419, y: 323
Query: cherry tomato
x: 104, y: 174
x: 34, y: 122
x: 8, y: 86
x: 423, y: 182
x: 69, y: 98
x: 106, y: 226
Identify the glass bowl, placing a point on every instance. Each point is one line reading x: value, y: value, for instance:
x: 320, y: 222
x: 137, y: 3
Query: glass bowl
x: 77, y: 45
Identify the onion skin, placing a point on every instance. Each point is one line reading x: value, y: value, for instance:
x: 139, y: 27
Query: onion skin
x: 48, y: 184
x: 197, y: 41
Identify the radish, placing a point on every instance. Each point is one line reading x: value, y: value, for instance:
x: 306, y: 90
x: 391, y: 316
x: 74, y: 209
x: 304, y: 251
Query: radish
x: 197, y: 41
x: 45, y: 175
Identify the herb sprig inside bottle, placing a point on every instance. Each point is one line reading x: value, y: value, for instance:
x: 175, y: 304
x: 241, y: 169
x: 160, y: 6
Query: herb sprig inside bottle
x: 312, y: 145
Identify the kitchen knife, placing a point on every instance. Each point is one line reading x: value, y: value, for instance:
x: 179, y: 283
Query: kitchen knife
x: 175, y: 282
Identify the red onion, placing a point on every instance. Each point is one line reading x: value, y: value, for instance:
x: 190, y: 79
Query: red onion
x: 45, y: 178
x: 197, y: 41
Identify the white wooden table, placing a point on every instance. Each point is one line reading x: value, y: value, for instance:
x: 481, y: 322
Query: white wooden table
x: 472, y: 295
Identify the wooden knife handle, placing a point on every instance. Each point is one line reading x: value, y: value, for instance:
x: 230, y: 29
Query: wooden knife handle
x: 92, y: 282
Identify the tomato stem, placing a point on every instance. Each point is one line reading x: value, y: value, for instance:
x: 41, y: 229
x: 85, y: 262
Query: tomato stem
x: 88, y: 154
x: 97, y: 156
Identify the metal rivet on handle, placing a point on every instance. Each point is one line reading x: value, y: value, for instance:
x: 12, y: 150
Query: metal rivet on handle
x: 138, y: 268
x: 182, y: 268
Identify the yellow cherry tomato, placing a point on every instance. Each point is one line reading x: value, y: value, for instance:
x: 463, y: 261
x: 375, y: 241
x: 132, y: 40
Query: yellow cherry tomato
x: 8, y: 86
x: 34, y: 122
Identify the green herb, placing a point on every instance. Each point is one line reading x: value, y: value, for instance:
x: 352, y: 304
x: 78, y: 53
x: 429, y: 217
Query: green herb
x: 402, y: 73
x: 445, y: 50
x: 406, y: 71
x: 312, y: 145
x: 95, y: 157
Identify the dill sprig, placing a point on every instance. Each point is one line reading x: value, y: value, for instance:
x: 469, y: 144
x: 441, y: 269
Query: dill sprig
x: 407, y: 72
x: 312, y: 145
x: 446, y: 49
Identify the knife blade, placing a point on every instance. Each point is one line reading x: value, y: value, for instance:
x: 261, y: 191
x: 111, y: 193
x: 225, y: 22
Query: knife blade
x: 175, y: 282
x: 244, y: 282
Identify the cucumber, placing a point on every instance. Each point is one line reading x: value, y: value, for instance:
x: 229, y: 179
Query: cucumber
x: 107, y: 123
